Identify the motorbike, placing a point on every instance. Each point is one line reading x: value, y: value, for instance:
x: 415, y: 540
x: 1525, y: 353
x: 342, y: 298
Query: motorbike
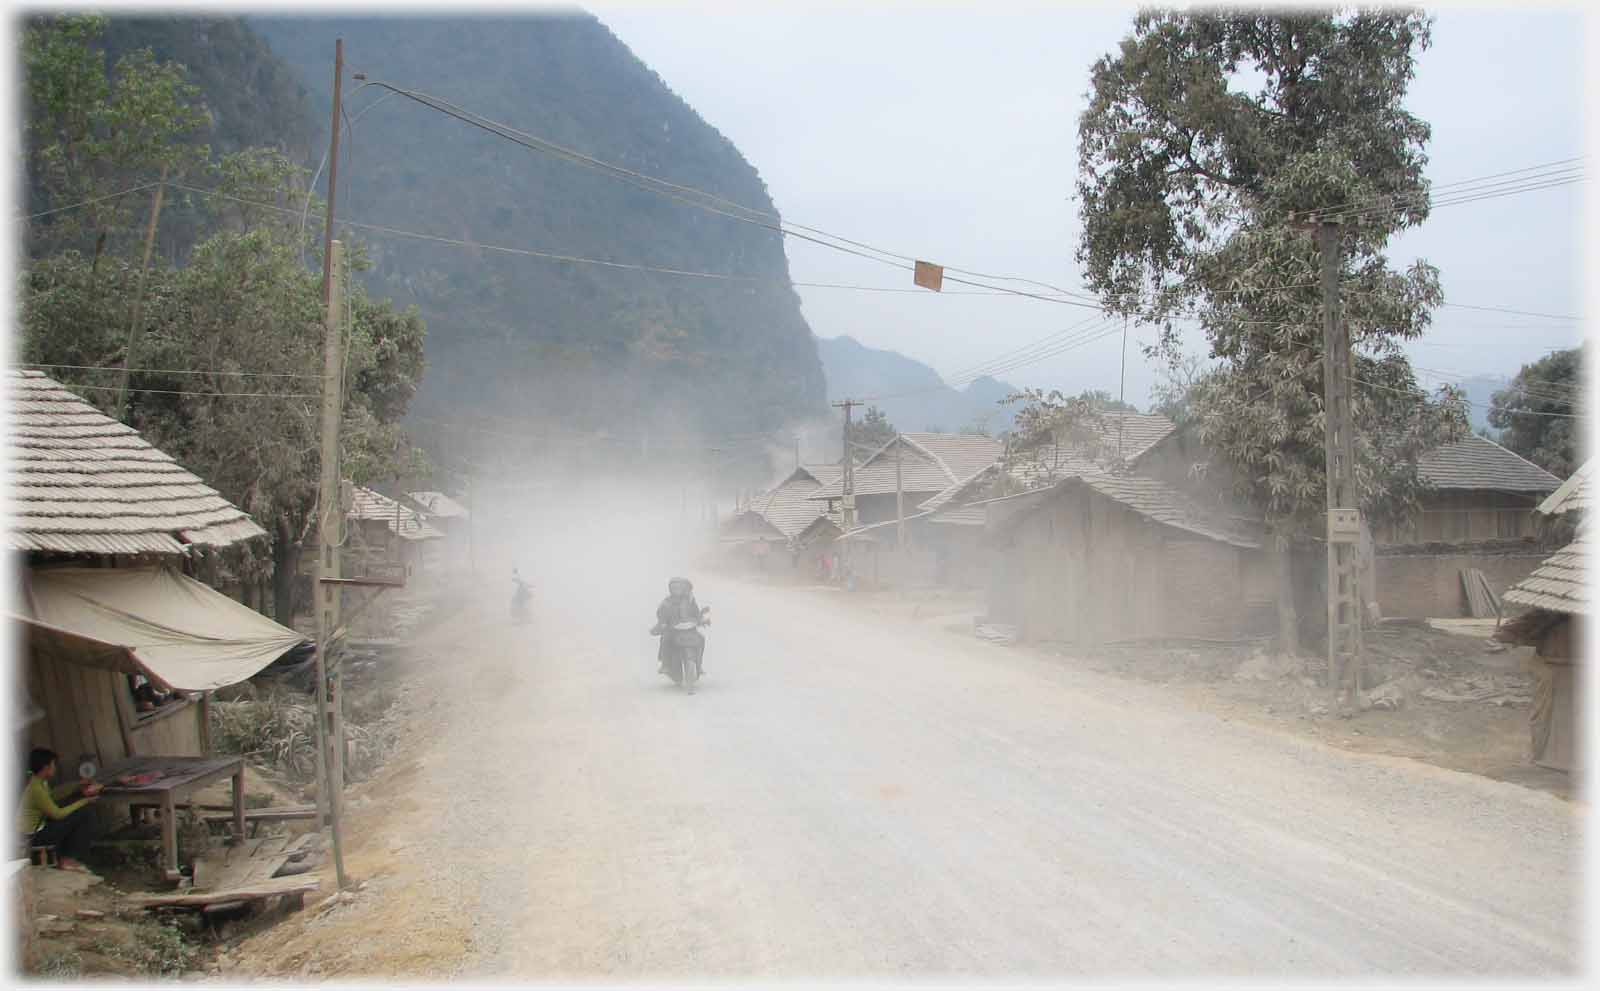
x: 685, y: 648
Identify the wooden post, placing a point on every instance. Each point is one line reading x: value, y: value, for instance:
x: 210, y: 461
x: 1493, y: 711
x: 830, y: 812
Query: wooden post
x: 138, y: 299
x: 330, y: 520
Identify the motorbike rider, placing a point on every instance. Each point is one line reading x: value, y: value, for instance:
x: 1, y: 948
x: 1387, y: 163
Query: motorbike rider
x: 678, y: 607
x: 523, y: 591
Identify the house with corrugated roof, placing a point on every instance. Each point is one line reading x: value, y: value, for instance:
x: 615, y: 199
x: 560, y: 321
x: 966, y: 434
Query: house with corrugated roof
x: 1479, y: 513
x: 109, y: 532
x: 1558, y: 607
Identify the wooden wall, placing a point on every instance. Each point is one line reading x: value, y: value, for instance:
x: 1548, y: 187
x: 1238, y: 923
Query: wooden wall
x: 82, y: 716
x: 1083, y: 569
x: 1454, y: 517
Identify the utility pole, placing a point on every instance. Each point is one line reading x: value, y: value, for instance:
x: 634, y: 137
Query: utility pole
x: 330, y: 510
x: 848, y: 510
x: 899, y: 502
x: 138, y: 300
x: 1344, y: 515
x: 1122, y: 391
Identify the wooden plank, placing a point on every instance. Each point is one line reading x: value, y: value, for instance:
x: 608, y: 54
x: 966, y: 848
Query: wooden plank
x: 284, y: 813
x: 265, y: 889
x: 1476, y: 586
x: 67, y: 736
x: 123, y: 702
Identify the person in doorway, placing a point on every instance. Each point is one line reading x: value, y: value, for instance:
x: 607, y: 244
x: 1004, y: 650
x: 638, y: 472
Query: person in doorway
x: 44, y: 823
x: 678, y: 607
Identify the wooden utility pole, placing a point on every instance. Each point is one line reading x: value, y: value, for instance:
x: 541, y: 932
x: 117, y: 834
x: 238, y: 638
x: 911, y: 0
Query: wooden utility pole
x: 330, y: 763
x: 330, y: 517
x: 1344, y: 515
x: 138, y: 299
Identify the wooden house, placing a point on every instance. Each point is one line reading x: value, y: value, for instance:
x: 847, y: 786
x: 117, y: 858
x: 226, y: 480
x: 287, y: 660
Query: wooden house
x: 1478, y: 514
x: 106, y: 530
x: 768, y: 531
x: 950, y: 524
x: 1101, y: 557
x: 907, y: 471
x: 385, y: 535
x: 1556, y: 596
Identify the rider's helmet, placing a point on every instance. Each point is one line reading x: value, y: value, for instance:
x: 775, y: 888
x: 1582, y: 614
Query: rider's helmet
x: 679, y: 586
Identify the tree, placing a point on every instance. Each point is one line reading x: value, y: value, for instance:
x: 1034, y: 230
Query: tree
x: 1209, y: 136
x: 1173, y: 394
x: 1540, y: 415
x: 874, y: 431
x: 90, y: 135
x: 1051, y: 421
x: 237, y: 335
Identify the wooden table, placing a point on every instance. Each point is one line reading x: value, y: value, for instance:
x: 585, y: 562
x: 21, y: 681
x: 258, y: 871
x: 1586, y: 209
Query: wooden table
x: 177, y: 777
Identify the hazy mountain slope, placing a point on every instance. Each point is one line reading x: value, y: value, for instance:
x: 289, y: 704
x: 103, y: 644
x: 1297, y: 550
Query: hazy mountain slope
x: 528, y: 339
x: 919, y: 399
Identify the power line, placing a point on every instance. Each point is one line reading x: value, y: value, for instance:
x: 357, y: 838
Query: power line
x: 1521, y: 313
x: 1457, y: 188
x: 759, y: 218
x: 203, y: 395
x: 1349, y: 214
x: 172, y: 371
x: 83, y: 203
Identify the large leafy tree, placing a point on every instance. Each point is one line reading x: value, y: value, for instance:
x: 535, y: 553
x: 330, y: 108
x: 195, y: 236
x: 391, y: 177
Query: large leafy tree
x: 1540, y: 414
x: 234, y: 339
x: 1209, y: 138
x: 90, y: 134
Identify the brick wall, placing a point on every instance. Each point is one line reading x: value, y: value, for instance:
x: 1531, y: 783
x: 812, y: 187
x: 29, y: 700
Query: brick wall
x: 1424, y: 585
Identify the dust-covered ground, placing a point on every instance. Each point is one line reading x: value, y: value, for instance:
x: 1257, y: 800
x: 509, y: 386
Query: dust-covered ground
x: 852, y: 797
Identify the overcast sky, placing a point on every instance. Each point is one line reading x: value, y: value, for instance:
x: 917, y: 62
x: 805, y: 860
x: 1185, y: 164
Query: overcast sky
x: 950, y: 134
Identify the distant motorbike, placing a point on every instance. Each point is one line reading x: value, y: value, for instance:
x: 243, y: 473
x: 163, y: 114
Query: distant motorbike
x: 685, y: 648
x: 521, y: 602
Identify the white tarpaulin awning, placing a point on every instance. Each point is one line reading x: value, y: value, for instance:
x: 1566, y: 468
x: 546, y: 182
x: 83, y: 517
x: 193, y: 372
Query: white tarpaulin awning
x: 153, y: 621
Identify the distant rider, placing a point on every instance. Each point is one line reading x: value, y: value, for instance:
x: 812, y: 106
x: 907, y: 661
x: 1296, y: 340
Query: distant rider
x: 523, y: 591
x: 678, y: 607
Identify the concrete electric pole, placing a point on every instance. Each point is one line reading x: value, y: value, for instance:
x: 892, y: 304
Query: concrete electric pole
x: 1344, y: 514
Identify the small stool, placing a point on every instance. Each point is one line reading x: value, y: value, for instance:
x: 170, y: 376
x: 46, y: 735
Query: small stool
x: 43, y: 856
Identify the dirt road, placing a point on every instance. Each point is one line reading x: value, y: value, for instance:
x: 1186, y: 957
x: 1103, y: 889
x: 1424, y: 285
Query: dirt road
x: 846, y: 797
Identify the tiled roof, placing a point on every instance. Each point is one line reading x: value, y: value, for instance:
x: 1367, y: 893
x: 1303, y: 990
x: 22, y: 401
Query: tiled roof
x: 928, y: 463
x: 1042, y: 468
x: 819, y: 526
x: 824, y: 473
x: 1570, y: 497
x: 1558, y: 584
x: 438, y: 504
x: 1132, y: 433
x: 82, y: 483
x: 788, y: 508
x: 1480, y: 463
x: 369, y: 505
x: 1159, y: 502
x: 1162, y: 503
